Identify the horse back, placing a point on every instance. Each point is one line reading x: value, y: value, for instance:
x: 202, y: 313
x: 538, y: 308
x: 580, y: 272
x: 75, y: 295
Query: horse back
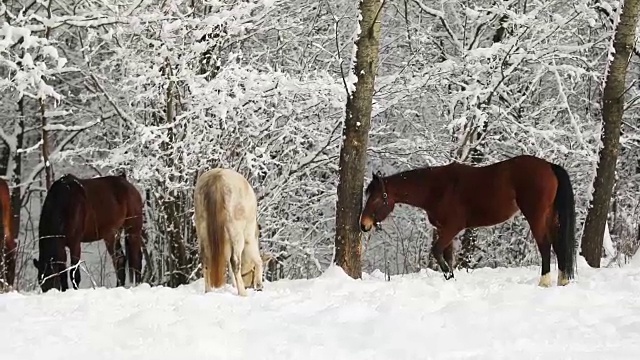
x: 493, y: 193
x: 233, y: 192
x: 111, y: 201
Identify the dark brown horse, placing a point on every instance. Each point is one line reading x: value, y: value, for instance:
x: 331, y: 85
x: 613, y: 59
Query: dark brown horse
x: 8, y: 246
x: 458, y: 196
x: 79, y: 211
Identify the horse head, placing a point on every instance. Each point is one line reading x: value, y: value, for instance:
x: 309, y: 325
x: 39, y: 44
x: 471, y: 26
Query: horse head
x: 378, y: 205
x: 51, y: 274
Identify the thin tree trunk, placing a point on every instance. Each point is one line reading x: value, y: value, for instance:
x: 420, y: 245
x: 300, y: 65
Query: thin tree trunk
x: 348, y: 238
x: 48, y: 169
x: 612, y: 111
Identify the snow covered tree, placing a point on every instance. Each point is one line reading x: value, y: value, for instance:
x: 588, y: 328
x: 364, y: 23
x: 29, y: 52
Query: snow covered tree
x: 356, y: 138
x: 613, y: 103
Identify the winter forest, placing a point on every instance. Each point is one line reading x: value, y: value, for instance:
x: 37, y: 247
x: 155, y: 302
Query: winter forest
x: 164, y: 90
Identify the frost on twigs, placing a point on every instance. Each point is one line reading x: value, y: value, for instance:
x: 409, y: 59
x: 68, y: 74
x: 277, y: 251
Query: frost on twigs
x: 227, y: 110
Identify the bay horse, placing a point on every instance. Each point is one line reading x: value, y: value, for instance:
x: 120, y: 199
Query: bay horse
x: 227, y: 228
x: 79, y: 211
x: 9, y: 246
x: 459, y: 196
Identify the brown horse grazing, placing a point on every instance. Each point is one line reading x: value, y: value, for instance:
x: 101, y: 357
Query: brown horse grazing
x: 458, y: 196
x: 8, y: 246
x: 79, y: 211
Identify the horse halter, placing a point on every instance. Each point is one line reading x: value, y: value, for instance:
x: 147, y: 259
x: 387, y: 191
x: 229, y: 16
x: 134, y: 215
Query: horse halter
x: 385, y: 201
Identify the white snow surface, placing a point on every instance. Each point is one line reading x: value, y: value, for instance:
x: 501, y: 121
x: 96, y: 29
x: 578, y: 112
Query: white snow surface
x: 484, y: 314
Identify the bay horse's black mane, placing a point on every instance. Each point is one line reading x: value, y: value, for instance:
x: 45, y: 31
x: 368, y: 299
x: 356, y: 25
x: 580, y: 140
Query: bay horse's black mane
x: 52, y: 227
x: 56, y: 205
x: 376, y: 176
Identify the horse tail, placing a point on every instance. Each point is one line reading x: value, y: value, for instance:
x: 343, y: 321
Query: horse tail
x: 134, y: 225
x: 216, y: 236
x: 5, y: 210
x: 7, y: 243
x: 564, y: 205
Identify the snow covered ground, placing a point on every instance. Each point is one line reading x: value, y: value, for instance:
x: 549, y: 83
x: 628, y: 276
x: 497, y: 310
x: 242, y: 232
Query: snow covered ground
x: 487, y: 314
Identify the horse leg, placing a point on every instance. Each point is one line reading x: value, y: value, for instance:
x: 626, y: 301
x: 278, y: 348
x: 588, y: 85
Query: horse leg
x: 253, y: 254
x: 63, y: 276
x: 448, y: 256
x: 115, y: 251
x: 75, y: 251
x: 561, y: 256
x: 443, y: 239
x: 237, y: 273
x: 11, y: 253
x: 545, y: 252
x: 201, y: 231
x: 537, y: 220
x: 235, y: 260
x: 205, y: 268
x: 133, y: 243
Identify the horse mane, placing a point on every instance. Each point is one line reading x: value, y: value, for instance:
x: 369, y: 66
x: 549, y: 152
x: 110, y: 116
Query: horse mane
x: 420, y: 171
x: 121, y: 173
x: 56, y: 209
x: 216, y: 233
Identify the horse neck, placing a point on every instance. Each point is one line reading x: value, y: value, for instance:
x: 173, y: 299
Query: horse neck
x: 52, y: 247
x: 54, y: 222
x: 409, y: 187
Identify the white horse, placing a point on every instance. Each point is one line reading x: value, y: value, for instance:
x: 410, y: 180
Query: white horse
x: 227, y: 228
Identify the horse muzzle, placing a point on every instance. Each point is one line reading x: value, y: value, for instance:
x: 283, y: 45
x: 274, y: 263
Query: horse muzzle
x: 366, y: 226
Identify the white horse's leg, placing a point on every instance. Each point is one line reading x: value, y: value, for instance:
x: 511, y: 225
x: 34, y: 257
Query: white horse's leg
x: 207, y: 282
x: 203, y: 239
x: 227, y: 256
x: 253, y: 254
x: 236, y: 240
x: 236, y: 271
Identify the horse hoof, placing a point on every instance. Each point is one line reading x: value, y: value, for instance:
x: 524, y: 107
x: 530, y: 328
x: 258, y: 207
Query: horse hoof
x: 545, y: 281
x: 562, y: 279
x: 448, y: 276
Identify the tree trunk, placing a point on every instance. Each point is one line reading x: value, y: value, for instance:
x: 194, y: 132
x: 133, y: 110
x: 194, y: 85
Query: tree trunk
x: 612, y: 111
x: 355, y: 141
x: 48, y: 169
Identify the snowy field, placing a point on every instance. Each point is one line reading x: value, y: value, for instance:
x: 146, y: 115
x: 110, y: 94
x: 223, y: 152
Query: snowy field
x: 486, y: 314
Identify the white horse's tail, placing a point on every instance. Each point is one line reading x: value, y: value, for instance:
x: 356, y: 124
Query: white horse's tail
x: 216, y: 236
